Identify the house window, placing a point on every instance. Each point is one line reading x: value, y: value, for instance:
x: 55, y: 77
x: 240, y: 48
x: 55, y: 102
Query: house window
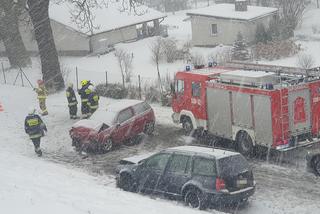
x: 214, y: 29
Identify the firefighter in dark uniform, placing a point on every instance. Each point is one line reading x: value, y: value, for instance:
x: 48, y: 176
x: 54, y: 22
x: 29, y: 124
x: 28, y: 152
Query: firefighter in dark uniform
x: 93, y: 100
x: 84, y: 94
x: 34, y: 127
x: 72, y: 101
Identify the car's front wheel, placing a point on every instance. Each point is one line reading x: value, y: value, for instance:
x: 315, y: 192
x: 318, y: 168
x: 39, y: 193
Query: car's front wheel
x: 187, y: 126
x: 126, y: 182
x: 195, y: 199
x: 316, y: 164
x: 76, y: 143
x: 149, y: 128
x: 106, y: 146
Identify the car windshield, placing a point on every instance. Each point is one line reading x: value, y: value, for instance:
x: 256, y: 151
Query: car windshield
x: 232, y: 165
x: 104, y: 116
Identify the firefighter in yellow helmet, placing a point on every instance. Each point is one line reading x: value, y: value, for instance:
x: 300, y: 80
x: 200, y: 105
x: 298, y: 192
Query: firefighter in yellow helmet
x: 84, y: 93
x: 42, y: 96
x: 93, y: 100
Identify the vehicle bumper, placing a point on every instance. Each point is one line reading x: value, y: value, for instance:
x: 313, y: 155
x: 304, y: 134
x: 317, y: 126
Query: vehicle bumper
x: 285, y: 148
x: 231, y: 197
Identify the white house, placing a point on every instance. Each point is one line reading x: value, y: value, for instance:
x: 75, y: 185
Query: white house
x: 112, y: 25
x: 220, y: 23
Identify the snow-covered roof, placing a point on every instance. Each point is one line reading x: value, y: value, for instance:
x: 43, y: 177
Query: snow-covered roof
x: 227, y: 11
x: 88, y: 124
x: 122, y: 104
x: 106, y: 18
x: 137, y: 158
x: 217, y: 153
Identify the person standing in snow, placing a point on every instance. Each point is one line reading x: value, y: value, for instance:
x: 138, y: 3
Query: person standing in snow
x: 93, y: 100
x: 72, y: 101
x: 84, y: 94
x: 35, y: 127
x: 42, y: 96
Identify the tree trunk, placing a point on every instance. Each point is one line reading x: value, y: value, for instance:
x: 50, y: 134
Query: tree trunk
x: 11, y: 37
x: 52, y: 76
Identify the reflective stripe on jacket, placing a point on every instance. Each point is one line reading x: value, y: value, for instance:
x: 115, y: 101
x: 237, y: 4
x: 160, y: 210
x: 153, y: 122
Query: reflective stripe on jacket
x: 42, y: 92
x: 93, y: 100
x: 71, y: 97
x: 34, y: 126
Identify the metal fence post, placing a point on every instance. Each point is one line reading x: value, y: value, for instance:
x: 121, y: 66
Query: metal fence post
x: 4, y: 74
x: 21, y: 79
x: 106, y: 78
x: 77, y: 80
x: 139, y: 87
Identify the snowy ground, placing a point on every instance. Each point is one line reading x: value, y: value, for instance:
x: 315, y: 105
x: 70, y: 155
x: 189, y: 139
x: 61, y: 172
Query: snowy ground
x: 62, y: 182
x: 65, y: 183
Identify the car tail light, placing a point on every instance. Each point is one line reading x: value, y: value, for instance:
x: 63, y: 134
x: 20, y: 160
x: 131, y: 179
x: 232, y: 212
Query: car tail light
x: 220, y: 184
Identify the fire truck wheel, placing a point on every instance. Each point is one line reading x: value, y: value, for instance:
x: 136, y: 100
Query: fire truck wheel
x: 187, y: 125
x: 244, y: 143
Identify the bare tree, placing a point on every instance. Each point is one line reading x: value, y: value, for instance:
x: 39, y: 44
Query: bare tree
x: 125, y: 63
x: 291, y: 12
x: 170, y: 49
x: 10, y: 11
x: 305, y: 61
x: 39, y: 14
x: 157, y: 55
x: 198, y: 60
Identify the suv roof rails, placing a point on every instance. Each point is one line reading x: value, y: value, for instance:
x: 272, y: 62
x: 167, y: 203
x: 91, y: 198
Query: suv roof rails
x: 212, y: 147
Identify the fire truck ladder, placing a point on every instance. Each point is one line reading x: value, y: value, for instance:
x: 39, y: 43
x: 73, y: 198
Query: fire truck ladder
x: 284, y: 113
x: 312, y: 72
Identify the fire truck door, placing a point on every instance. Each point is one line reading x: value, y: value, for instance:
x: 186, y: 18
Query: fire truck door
x: 180, y: 95
x: 299, y: 111
x: 196, y: 98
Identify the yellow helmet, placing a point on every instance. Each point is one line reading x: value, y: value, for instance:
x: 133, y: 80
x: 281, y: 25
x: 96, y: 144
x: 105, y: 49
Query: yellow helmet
x: 84, y: 82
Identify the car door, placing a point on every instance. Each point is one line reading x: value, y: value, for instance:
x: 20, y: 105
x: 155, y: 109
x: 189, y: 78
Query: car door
x: 124, y: 125
x: 177, y: 173
x: 140, y: 117
x: 150, y: 172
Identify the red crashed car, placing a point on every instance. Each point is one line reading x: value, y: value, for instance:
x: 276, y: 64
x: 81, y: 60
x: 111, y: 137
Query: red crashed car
x: 120, y: 122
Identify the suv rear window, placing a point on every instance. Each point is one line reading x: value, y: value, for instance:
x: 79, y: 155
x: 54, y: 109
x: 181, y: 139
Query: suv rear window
x: 141, y: 107
x: 203, y: 166
x: 232, y: 165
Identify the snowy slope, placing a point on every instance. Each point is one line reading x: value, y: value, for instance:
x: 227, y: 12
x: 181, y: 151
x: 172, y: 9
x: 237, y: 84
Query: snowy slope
x: 32, y: 185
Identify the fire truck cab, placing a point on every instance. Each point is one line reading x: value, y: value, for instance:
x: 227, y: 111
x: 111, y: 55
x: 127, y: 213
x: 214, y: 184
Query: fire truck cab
x: 279, y: 111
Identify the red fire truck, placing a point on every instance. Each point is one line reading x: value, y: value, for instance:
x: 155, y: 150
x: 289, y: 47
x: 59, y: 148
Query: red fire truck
x: 249, y: 107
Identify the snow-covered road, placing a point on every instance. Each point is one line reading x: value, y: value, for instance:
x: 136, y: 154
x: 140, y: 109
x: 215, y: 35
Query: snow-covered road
x: 65, y: 182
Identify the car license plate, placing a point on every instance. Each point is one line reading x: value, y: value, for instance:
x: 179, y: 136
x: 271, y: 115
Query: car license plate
x: 242, y: 182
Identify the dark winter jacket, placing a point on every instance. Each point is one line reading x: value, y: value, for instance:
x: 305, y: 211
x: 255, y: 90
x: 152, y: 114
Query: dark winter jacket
x: 34, y: 126
x: 71, y: 96
x: 93, y: 100
x: 84, y: 92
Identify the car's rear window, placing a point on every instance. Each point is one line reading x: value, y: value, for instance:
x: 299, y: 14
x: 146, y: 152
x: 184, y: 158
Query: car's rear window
x: 141, y: 107
x: 232, y: 165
